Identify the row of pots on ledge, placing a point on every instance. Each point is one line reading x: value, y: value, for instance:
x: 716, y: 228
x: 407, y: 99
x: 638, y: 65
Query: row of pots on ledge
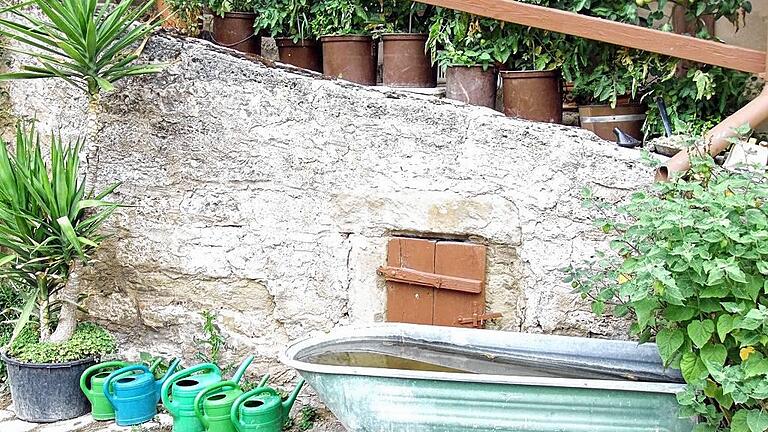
x: 533, y: 95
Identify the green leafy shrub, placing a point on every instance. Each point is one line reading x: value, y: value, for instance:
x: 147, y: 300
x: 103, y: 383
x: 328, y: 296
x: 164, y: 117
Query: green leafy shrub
x: 220, y: 7
x: 400, y: 16
x: 186, y: 14
x: 343, y: 17
x: 88, y: 340
x: 286, y: 18
x: 689, y: 265
x: 462, y: 39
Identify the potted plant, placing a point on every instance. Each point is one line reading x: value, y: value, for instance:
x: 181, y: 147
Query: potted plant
x: 233, y: 25
x: 468, y: 47
x: 49, y: 230
x: 344, y: 27
x: 531, y: 86
x: 406, y: 61
x: 288, y: 22
x: 687, y: 269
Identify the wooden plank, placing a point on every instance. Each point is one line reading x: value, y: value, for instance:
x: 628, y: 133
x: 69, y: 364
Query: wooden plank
x: 675, y: 45
x: 462, y: 260
x: 433, y: 280
x: 410, y: 303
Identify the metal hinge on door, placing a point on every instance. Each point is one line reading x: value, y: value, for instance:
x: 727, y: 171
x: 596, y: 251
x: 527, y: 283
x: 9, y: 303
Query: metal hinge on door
x: 478, y: 316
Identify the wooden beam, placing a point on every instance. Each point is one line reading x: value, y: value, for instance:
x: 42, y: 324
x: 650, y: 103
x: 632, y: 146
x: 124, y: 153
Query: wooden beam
x: 671, y: 44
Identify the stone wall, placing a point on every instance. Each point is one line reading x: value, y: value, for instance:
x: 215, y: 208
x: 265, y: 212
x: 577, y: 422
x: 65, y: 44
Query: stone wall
x: 268, y: 196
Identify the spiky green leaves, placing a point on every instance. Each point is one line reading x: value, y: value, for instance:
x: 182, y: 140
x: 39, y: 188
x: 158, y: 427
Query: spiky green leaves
x: 88, y: 44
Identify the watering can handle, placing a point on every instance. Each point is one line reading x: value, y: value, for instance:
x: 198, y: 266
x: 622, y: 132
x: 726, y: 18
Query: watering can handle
x: 165, y: 391
x: 241, y: 370
x: 85, y: 378
x: 234, y: 412
x: 108, y: 382
x: 200, y: 398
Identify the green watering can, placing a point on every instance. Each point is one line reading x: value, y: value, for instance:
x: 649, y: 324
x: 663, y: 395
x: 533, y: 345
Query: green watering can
x: 262, y: 409
x: 212, y: 405
x: 181, y: 389
x: 92, y: 385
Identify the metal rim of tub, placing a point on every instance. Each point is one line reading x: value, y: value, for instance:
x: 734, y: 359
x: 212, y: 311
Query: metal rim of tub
x: 419, y: 332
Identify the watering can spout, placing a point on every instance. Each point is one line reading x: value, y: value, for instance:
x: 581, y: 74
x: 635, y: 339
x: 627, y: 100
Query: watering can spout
x: 288, y: 404
x: 159, y: 382
x: 241, y: 370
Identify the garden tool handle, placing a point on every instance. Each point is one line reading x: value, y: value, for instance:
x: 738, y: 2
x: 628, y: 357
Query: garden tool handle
x: 200, y: 399
x: 155, y: 364
x: 241, y: 370
x: 117, y: 373
x: 165, y: 390
x: 85, y: 378
x: 234, y: 412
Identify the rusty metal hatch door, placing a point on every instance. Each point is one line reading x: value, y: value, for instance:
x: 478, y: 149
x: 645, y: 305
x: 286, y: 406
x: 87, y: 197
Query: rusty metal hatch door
x: 436, y: 282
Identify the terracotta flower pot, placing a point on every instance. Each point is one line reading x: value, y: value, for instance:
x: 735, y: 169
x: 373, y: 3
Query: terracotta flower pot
x: 471, y: 84
x: 533, y: 95
x: 602, y: 119
x: 235, y: 30
x: 304, y: 53
x: 352, y: 58
x: 406, y: 63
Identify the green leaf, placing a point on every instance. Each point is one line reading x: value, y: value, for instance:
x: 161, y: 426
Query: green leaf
x: 724, y: 326
x: 757, y: 420
x: 739, y: 421
x: 692, y: 368
x: 675, y: 313
x: 755, y: 365
x: 714, y: 356
x: 700, y: 332
x: 668, y: 342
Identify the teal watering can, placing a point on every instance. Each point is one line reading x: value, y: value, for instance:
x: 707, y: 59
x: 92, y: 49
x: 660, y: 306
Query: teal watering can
x: 212, y: 405
x: 92, y: 385
x: 181, y: 389
x: 262, y: 409
x: 134, y: 396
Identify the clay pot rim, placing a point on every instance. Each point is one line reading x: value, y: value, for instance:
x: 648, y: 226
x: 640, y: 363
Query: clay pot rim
x: 404, y: 36
x: 507, y: 74
x: 346, y: 38
x: 286, y: 41
x: 236, y: 15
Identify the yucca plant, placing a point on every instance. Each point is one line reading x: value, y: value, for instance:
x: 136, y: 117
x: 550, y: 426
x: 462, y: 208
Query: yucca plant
x: 49, y: 227
x: 87, y: 44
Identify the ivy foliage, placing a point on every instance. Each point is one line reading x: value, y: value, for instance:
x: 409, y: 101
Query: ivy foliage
x: 689, y: 264
x: 88, y: 340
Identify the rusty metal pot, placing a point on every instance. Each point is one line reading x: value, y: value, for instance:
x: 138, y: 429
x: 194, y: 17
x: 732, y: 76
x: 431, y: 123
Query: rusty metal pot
x: 471, y: 84
x: 406, y: 61
x: 304, y: 53
x: 235, y: 30
x: 533, y: 95
x: 602, y: 119
x: 352, y: 58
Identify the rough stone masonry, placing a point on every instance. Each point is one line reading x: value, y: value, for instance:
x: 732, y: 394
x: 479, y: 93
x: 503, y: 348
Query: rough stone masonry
x: 268, y: 195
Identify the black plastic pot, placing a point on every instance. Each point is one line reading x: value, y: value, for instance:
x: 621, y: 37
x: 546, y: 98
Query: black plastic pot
x: 45, y: 393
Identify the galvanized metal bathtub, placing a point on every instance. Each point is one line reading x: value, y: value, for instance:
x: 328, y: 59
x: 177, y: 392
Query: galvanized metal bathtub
x: 413, y: 378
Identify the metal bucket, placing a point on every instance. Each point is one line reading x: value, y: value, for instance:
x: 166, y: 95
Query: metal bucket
x: 406, y: 62
x: 235, y: 30
x: 351, y: 58
x: 602, y: 119
x: 406, y: 377
x: 533, y: 95
x: 471, y: 84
